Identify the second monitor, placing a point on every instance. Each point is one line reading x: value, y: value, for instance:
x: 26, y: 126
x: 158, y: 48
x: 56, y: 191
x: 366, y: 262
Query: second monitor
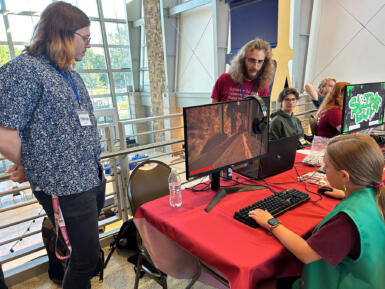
x: 363, y: 106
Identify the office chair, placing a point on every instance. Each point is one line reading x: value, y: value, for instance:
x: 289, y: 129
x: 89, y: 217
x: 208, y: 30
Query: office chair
x: 147, y: 182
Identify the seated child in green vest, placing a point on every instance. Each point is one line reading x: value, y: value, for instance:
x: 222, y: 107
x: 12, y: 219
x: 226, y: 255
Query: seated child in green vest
x: 346, y: 250
x: 284, y: 123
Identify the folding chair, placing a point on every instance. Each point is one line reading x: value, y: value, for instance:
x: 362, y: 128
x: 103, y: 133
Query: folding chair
x: 147, y: 182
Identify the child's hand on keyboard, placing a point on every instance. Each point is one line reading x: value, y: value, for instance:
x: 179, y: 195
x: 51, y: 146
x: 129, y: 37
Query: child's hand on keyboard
x: 261, y: 217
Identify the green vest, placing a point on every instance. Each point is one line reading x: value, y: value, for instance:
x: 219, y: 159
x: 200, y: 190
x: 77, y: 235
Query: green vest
x: 368, y: 270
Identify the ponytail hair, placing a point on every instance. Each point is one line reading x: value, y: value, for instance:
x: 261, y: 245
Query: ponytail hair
x: 361, y: 157
x: 380, y: 200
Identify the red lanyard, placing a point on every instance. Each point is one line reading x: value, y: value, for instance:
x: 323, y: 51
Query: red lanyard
x: 59, y: 222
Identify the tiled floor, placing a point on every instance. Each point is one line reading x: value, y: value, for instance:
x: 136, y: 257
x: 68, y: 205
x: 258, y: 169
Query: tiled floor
x: 118, y: 274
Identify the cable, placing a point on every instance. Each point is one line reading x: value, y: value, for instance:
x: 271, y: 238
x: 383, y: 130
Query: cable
x: 237, y: 182
x: 26, y: 230
x: 254, y: 179
x: 205, y: 188
x: 305, y: 185
x: 291, y: 182
x: 268, y: 186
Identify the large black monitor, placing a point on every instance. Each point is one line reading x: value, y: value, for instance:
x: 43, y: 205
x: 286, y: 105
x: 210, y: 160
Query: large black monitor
x: 363, y: 106
x: 220, y: 135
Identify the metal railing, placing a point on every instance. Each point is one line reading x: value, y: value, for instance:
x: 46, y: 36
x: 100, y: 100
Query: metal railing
x: 116, y: 150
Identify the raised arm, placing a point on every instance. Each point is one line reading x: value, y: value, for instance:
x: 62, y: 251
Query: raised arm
x: 293, y: 242
x: 311, y: 91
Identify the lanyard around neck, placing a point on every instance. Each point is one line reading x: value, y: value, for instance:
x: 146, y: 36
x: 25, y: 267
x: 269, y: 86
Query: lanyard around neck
x: 289, y: 121
x: 70, y: 81
x: 243, y: 96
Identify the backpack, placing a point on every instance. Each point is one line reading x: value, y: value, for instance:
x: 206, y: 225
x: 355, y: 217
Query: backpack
x: 125, y: 239
x: 56, y: 267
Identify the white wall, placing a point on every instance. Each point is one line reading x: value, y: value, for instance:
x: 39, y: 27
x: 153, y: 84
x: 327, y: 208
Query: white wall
x: 347, y: 41
x: 196, y: 51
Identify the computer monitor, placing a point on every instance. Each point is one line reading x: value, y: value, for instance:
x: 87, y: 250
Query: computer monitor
x: 363, y: 106
x: 220, y: 135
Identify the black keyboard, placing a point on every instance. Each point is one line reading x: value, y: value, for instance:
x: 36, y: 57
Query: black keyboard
x: 276, y: 204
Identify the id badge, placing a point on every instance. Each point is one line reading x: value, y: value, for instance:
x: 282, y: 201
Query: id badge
x: 302, y: 141
x: 84, y: 117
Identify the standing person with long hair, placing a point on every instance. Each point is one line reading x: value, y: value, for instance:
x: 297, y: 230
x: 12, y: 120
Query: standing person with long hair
x: 48, y: 130
x: 346, y: 250
x: 329, y: 114
x: 251, y: 72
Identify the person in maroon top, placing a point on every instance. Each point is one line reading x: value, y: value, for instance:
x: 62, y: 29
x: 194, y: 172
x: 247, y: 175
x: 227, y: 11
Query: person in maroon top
x: 329, y: 114
x: 353, y: 164
x: 251, y: 72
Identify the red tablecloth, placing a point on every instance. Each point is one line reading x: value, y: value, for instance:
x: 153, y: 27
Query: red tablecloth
x: 244, y: 255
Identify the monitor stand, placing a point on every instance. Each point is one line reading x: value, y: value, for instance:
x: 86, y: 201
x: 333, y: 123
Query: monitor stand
x: 215, y: 181
x: 215, y: 186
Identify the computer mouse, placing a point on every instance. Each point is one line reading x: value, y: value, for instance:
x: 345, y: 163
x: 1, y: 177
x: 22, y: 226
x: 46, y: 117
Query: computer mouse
x: 322, y: 190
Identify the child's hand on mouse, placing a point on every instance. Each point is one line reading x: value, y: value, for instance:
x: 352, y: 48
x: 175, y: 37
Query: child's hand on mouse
x: 335, y: 193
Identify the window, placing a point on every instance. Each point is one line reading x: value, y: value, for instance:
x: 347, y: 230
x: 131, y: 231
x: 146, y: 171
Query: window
x: 106, y: 68
x: 144, y: 78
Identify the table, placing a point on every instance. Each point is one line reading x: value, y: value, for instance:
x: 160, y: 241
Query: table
x: 176, y: 237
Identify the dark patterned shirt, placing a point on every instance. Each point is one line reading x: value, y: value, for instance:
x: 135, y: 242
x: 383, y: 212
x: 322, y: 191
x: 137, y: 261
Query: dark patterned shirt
x: 58, y: 154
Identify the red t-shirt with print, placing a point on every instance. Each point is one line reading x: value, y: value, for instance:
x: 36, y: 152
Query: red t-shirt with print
x: 225, y: 89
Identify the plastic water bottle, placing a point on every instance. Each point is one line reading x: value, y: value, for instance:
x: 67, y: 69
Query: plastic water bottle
x: 174, y: 185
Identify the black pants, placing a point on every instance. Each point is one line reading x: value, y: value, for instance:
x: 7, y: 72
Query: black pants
x: 80, y: 212
x: 2, y: 281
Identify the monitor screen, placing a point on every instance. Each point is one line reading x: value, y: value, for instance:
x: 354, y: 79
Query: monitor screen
x: 363, y: 106
x: 220, y: 135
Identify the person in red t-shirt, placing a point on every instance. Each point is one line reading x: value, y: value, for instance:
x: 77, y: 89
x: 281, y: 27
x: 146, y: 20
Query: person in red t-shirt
x: 250, y: 73
x: 329, y: 114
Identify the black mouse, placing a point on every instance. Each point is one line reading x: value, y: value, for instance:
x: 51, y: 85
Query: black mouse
x: 322, y: 190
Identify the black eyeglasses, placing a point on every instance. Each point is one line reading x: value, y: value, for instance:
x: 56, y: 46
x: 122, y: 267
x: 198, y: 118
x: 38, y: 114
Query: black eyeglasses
x: 86, y: 39
x: 255, y: 61
x: 289, y: 99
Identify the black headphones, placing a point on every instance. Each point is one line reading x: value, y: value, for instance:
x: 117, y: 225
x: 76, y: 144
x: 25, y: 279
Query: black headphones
x: 260, y: 123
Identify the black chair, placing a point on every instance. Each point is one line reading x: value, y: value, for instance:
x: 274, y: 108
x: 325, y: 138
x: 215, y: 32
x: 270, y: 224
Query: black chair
x: 147, y: 182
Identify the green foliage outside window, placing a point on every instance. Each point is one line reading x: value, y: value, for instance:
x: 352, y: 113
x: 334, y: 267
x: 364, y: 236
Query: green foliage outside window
x: 4, y: 55
x: 98, y: 82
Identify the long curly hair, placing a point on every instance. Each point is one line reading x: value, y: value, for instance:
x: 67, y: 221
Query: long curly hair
x: 332, y: 99
x: 53, y: 35
x: 238, y: 71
